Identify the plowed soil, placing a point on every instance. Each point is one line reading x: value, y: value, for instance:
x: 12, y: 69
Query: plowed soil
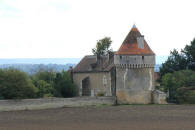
x: 129, y: 117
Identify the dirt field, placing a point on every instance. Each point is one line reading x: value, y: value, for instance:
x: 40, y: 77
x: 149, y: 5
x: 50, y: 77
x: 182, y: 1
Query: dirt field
x: 131, y: 117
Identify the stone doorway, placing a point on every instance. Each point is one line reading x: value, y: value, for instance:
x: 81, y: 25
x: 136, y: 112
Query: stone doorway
x: 86, y: 91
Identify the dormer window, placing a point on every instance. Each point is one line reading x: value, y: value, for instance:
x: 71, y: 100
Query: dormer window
x: 140, y: 41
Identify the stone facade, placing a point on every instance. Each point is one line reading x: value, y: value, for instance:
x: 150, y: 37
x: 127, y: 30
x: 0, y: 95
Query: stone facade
x: 127, y: 74
x: 159, y: 97
x: 134, y: 86
x: 99, y: 83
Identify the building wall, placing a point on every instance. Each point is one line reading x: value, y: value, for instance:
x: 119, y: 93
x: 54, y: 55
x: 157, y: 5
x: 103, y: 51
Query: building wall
x: 134, y: 86
x: 100, y: 82
x: 148, y: 60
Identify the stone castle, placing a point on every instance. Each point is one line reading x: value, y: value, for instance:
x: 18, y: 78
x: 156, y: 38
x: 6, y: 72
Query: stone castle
x: 127, y: 74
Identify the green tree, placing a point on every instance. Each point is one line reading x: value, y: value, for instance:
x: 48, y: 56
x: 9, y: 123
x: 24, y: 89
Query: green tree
x: 44, y: 89
x: 44, y: 82
x: 175, y: 62
x: 171, y: 82
x: 180, y: 61
x: 102, y: 46
x: 64, y: 86
x: 15, y: 84
x: 189, y: 51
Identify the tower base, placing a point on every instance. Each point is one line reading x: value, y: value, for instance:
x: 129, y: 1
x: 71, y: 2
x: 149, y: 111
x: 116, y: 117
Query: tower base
x: 134, y: 97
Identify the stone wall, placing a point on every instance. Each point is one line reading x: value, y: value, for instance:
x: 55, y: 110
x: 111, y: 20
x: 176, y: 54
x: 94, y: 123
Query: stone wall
x: 100, y: 82
x: 134, y: 86
x: 136, y: 61
x: 46, y: 103
x: 159, y: 97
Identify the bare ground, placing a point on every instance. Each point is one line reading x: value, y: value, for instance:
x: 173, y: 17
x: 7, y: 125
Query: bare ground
x: 130, y: 117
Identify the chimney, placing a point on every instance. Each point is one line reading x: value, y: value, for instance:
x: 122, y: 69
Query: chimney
x: 140, y: 41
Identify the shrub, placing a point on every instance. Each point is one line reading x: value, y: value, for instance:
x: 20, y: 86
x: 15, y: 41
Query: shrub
x: 44, y: 89
x: 172, y: 83
x: 44, y: 82
x: 64, y: 86
x: 15, y: 84
x: 186, y: 95
x: 100, y: 94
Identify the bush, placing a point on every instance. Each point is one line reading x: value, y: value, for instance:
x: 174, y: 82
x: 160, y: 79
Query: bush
x: 44, y: 89
x: 173, y: 82
x: 100, y: 94
x: 63, y: 85
x: 44, y: 82
x: 186, y: 95
x: 15, y: 84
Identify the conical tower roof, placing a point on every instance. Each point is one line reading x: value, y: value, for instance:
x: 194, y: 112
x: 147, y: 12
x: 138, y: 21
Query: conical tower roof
x: 130, y: 45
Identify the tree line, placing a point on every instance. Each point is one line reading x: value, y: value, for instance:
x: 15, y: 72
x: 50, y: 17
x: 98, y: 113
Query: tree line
x: 15, y: 84
x: 177, y: 75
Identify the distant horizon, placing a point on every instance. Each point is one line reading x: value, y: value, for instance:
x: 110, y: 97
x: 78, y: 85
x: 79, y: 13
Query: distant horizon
x: 62, y: 61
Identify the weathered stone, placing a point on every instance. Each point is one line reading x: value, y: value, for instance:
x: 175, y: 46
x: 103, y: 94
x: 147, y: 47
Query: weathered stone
x: 159, y: 97
x: 98, y: 82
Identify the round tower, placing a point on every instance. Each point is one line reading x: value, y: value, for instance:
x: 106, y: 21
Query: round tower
x: 134, y: 63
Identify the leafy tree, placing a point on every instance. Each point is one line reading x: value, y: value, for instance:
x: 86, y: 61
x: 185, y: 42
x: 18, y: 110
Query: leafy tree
x: 174, y: 81
x: 64, y: 86
x: 189, y: 51
x: 102, y: 46
x: 47, y: 76
x: 44, y: 82
x: 180, y: 61
x: 44, y: 89
x: 186, y: 95
x: 175, y: 62
x: 15, y: 84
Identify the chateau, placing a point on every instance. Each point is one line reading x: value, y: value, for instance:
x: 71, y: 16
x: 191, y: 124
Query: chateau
x: 127, y: 73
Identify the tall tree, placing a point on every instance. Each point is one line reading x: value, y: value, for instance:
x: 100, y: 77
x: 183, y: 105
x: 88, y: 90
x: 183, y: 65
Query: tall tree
x: 102, y: 46
x: 189, y: 51
x: 175, y: 62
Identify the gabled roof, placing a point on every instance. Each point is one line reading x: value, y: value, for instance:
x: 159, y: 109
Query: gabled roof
x: 130, y: 45
x: 92, y: 63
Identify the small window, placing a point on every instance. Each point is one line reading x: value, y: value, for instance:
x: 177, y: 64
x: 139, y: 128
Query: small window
x: 142, y: 57
x: 104, y: 80
x: 120, y: 57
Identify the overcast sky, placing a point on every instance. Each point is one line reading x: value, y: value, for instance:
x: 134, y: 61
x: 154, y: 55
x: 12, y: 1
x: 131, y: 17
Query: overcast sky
x: 70, y: 28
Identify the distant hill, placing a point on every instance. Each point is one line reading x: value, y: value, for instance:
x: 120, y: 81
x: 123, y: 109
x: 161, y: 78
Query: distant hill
x: 61, y: 61
x: 32, y: 66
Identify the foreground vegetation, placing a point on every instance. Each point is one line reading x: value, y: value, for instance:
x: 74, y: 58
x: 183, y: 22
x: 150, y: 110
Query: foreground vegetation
x: 177, y: 75
x: 15, y: 84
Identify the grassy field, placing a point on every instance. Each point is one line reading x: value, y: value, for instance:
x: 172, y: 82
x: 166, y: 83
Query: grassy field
x: 125, y: 117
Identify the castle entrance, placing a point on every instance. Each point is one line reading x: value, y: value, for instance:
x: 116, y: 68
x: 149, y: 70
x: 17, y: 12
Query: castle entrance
x: 86, y: 87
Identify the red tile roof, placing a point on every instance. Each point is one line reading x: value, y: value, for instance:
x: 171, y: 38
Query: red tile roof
x: 130, y: 45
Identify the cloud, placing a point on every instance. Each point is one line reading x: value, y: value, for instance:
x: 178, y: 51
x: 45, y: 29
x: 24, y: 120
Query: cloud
x: 70, y: 28
x: 31, y: 8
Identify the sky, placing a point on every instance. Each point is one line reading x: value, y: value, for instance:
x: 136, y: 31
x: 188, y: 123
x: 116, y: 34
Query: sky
x: 71, y: 28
